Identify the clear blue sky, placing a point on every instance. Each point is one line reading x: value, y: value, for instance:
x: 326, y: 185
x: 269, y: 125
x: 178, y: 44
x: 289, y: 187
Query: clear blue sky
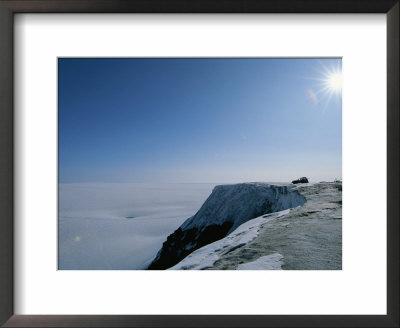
x: 197, y: 120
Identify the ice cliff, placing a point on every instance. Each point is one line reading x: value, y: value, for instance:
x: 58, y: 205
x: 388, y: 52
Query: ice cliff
x: 226, y: 208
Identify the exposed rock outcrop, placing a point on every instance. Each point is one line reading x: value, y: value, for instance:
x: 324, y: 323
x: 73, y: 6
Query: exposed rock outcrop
x: 300, y: 180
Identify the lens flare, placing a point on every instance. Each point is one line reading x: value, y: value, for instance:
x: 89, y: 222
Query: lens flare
x: 329, y: 84
x: 312, y: 96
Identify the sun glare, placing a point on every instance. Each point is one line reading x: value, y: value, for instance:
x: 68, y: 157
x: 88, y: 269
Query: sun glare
x: 334, y: 82
x: 329, y: 85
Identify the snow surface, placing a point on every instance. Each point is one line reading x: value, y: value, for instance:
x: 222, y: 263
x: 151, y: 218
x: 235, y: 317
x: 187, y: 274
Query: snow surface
x: 309, y: 237
x: 268, y: 262
x: 121, y: 226
x: 206, y: 256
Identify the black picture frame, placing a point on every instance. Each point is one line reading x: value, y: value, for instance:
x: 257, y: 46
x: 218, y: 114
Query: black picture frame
x: 10, y: 7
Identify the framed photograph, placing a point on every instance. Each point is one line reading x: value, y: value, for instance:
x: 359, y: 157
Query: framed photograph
x: 199, y: 164
x: 140, y: 186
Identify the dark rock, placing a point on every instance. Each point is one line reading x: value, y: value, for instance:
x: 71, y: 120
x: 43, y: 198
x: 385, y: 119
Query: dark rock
x: 181, y: 243
x: 300, y: 180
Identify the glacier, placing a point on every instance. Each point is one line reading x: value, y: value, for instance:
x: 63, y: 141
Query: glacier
x: 205, y: 257
x: 307, y: 237
x: 227, y: 208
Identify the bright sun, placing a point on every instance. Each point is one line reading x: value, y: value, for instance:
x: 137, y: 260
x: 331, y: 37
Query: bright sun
x: 329, y: 85
x: 334, y: 82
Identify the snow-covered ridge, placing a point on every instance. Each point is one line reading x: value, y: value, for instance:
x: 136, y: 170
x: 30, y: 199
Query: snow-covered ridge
x: 239, y: 203
x: 228, y: 207
x: 205, y: 257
